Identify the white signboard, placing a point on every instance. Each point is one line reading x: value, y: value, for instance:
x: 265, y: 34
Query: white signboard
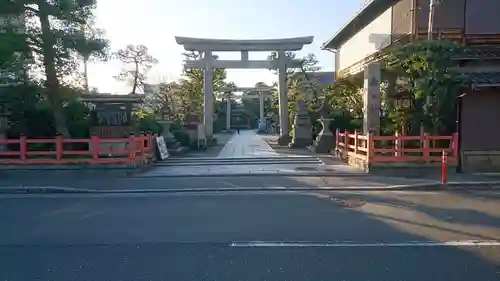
x: 162, y: 148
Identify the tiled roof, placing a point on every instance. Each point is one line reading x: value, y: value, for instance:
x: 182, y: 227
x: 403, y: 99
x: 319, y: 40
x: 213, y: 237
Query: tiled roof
x: 481, y: 52
x: 483, y: 78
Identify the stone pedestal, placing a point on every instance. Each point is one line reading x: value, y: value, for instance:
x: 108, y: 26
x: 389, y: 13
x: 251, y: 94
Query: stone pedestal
x: 325, y: 141
x: 301, y: 127
x: 169, y: 138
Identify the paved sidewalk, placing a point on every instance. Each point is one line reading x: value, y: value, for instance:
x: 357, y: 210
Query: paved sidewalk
x: 247, y: 144
x: 252, y: 156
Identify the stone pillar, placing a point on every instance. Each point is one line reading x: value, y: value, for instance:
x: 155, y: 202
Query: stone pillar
x: 262, y: 122
x: 284, y: 137
x: 371, y: 99
x: 208, y: 112
x: 228, y: 112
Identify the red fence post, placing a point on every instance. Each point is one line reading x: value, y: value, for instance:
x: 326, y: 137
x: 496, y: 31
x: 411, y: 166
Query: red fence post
x: 356, y: 144
x: 444, y: 168
x: 94, y: 143
x: 23, y: 147
x: 59, y: 147
x: 346, y: 141
x: 337, y: 139
x: 142, y: 146
x: 370, y: 146
x: 426, y: 147
x: 131, y: 148
x: 149, y: 137
x: 397, y: 145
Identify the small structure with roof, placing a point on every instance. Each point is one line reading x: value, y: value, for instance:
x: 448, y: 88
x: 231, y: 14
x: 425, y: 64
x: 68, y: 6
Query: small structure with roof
x: 111, y: 115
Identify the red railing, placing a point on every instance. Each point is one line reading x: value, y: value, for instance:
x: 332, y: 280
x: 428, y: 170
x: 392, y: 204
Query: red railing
x: 59, y: 150
x: 397, y: 148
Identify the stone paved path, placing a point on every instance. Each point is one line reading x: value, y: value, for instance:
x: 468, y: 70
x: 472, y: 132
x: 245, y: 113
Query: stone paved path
x: 247, y: 144
x: 246, y: 154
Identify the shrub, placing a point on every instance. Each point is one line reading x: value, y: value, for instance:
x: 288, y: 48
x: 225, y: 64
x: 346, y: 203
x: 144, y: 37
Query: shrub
x: 182, y: 137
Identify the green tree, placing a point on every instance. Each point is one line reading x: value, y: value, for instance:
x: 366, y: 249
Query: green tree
x: 91, y: 45
x: 428, y: 69
x: 137, y: 62
x: 192, y: 87
x: 299, y: 82
x: 50, y: 29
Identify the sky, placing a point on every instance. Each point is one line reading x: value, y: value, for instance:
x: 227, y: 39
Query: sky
x: 155, y: 23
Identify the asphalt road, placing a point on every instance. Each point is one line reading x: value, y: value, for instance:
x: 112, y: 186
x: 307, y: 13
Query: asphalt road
x: 130, y: 183
x: 212, y: 236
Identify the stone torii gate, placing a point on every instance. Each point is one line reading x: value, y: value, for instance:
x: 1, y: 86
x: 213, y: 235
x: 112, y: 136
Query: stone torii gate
x: 208, y: 63
x: 262, y: 91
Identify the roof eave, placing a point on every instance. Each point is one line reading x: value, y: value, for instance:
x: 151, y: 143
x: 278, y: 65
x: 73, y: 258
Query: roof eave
x: 334, y: 42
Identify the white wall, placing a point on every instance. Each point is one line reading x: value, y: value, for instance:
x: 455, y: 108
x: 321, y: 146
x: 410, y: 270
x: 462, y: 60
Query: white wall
x: 367, y: 41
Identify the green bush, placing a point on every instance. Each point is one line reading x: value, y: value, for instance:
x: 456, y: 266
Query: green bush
x: 182, y: 137
x: 148, y: 124
x: 176, y: 126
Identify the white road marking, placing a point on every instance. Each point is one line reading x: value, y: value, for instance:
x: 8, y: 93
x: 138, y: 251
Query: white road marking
x: 340, y: 244
x: 230, y: 184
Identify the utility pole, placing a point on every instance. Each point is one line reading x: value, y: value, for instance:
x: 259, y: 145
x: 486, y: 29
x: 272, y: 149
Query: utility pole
x: 430, y: 27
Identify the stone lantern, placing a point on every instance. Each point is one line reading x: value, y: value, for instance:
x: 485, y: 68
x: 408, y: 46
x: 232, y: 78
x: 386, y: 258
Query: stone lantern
x: 165, y: 123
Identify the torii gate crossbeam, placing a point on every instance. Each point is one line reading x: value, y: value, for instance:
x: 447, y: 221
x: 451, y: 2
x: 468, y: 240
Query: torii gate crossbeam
x: 208, y: 63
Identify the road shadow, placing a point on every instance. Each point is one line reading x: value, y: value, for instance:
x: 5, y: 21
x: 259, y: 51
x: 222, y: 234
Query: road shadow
x: 456, y: 211
x: 479, y: 195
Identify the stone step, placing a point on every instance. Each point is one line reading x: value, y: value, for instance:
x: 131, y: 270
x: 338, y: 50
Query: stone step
x: 239, y: 161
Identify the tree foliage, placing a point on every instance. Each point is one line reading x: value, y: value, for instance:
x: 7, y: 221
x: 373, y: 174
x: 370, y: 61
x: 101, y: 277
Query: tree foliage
x: 192, y: 87
x: 299, y: 82
x: 137, y: 62
x: 425, y: 70
x: 184, y: 99
x: 49, y: 35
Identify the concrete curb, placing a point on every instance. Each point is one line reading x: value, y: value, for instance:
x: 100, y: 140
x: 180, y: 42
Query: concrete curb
x: 467, y: 185
x: 42, y: 190
x: 324, y: 174
x: 434, y: 186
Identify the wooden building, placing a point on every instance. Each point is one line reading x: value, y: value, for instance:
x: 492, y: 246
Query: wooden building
x: 474, y: 23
